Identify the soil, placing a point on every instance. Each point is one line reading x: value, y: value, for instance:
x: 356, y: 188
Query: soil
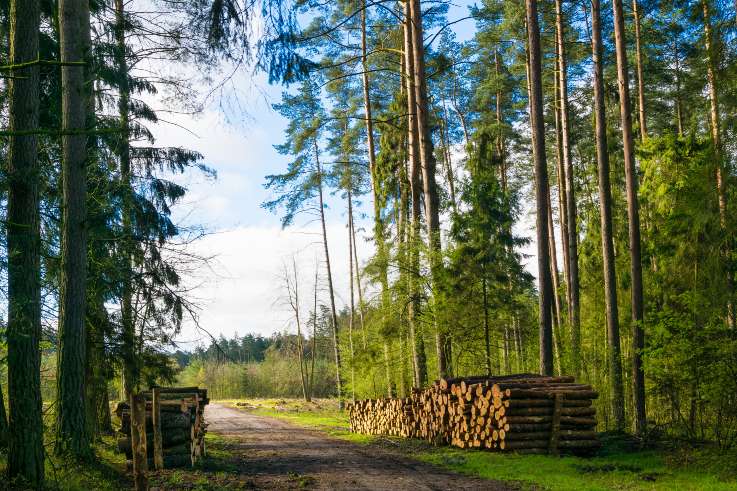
x: 274, y: 454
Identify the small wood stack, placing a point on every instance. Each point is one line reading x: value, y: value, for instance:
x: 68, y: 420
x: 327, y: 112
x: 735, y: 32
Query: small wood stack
x: 526, y: 413
x: 175, y: 426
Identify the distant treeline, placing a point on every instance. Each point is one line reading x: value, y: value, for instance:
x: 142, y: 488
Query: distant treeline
x: 248, y: 348
x: 257, y: 366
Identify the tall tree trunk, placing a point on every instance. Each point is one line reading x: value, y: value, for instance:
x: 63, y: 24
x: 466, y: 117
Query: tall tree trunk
x: 678, y: 102
x: 418, y: 348
x: 633, y: 216
x: 519, y: 347
x: 359, y: 290
x: 293, y: 294
x: 99, y: 419
x: 427, y: 162
x: 562, y: 197
x: 605, y: 199
x: 402, y: 248
x: 507, y: 361
x: 487, y: 336
x: 557, y: 322
x: 500, y: 144
x: 333, y: 311
x: 537, y: 124
x: 574, y: 307
x: 503, y: 179
x: 640, y: 76
x: 459, y: 113
x: 71, y: 427
x: 130, y: 359
x: 351, y: 310
x: 25, y: 426
x: 313, y: 349
x: 378, y: 220
x: 447, y: 160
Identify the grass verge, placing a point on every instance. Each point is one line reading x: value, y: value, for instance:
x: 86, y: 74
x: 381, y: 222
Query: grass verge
x: 619, y: 466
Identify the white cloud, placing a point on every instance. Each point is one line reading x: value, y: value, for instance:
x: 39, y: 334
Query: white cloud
x: 241, y: 293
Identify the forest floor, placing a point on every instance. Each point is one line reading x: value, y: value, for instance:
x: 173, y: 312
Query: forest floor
x: 288, y: 444
x: 620, y: 465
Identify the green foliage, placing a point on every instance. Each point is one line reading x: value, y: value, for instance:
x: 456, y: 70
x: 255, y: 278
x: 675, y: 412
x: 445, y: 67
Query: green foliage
x: 276, y: 376
x: 691, y: 356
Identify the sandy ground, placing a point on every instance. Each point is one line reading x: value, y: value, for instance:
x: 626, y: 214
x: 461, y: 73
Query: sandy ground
x: 273, y: 454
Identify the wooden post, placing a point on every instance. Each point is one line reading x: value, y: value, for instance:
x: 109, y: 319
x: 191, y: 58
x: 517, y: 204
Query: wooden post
x: 138, y: 441
x: 156, y: 419
x: 196, y: 428
x: 555, y: 426
x: 200, y: 428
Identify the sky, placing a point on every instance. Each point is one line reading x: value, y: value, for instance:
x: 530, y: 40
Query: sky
x: 240, y: 291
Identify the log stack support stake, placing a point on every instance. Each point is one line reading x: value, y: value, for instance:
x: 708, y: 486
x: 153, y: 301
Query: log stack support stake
x: 138, y: 438
x: 156, y: 419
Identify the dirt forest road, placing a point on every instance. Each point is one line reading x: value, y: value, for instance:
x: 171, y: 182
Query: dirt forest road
x: 275, y: 454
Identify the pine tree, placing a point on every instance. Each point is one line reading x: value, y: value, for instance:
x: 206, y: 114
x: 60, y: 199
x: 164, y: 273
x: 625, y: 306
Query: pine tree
x: 25, y: 427
x: 71, y: 412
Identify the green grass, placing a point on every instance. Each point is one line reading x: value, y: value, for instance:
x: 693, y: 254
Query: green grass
x: 616, y: 467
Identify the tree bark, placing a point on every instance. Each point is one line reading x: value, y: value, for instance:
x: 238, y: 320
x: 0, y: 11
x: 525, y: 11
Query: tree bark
x: 537, y: 124
x: 25, y: 426
x: 557, y: 319
x: 313, y: 349
x: 359, y: 290
x: 447, y: 159
x: 574, y: 307
x: 562, y: 198
x: 378, y: 220
x: 461, y: 117
x: 678, y: 103
x: 427, y: 162
x: 351, y: 310
x: 633, y: 216
x: 500, y: 144
x: 418, y: 348
x: 487, y: 337
x: 138, y: 441
x: 338, y: 380
x: 605, y: 199
x: 71, y: 427
x: 640, y: 76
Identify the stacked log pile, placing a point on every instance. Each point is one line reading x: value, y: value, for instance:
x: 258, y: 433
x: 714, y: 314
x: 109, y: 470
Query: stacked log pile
x: 175, y: 427
x: 525, y: 413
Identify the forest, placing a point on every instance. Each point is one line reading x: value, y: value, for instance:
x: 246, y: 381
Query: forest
x: 548, y: 188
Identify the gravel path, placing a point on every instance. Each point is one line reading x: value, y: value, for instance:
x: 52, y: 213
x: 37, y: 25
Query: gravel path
x: 274, y: 454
